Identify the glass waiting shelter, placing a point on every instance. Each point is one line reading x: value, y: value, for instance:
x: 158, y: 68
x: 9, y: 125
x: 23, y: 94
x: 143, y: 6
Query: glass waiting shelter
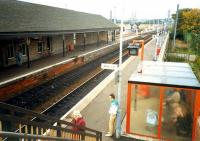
x: 163, y: 102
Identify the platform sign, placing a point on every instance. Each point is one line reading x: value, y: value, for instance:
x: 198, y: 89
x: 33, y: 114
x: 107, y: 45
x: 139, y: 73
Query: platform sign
x: 109, y: 66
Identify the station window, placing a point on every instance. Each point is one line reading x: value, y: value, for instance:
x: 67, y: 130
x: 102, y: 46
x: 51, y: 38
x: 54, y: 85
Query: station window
x: 22, y: 48
x: 11, y: 51
x: 40, y: 46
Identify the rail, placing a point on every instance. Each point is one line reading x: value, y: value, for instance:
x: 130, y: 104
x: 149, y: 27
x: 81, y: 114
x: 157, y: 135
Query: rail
x: 20, y: 124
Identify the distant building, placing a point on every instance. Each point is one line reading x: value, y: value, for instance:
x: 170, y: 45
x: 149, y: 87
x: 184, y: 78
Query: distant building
x: 36, y: 31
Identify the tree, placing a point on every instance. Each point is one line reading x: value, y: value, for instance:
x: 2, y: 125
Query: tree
x: 190, y: 21
x: 188, y: 27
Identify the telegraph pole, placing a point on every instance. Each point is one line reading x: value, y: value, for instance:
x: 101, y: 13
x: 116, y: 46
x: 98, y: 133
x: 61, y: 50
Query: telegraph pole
x: 175, y: 26
x: 168, y: 18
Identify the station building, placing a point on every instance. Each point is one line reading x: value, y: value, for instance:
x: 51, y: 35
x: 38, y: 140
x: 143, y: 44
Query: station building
x: 31, y: 31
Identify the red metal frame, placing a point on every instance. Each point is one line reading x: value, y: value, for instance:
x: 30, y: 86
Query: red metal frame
x: 196, y: 113
x: 160, y: 111
x: 141, y: 51
x: 162, y: 88
x: 128, y: 108
x: 148, y: 136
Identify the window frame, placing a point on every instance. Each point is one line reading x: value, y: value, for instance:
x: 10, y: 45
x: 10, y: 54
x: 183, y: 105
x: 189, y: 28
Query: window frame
x: 40, y: 48
x: 23, y: 51
x: 11, y: 48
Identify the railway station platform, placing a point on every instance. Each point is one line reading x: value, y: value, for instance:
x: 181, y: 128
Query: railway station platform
x: 94, y: 107
x: 15, y: 80
x: 14, y: 72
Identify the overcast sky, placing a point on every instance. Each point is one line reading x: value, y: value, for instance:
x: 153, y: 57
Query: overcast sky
x: 143, y: 9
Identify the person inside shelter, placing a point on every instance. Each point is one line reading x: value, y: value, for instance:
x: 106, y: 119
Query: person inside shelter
x: 177, y: 112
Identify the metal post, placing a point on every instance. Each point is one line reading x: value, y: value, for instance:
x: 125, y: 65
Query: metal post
x: 84, y: 40
x: 97, y: 38
x: 118, y: 129
x: 168, y: 20
x: 157, y: 41
x: 107, y: 37
x: 175, y: 26
x: 74, y: 39
x: 114, y: 35
x: 63, y: 38
x: 28, y: 54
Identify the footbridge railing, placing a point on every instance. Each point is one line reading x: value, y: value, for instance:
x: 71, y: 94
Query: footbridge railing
x: 18, y: 124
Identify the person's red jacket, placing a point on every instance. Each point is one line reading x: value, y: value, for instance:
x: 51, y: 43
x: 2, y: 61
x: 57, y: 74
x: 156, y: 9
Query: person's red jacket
x: 80, y: 122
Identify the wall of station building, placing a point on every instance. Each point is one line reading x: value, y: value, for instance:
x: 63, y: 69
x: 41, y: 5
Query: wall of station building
x: 51, y: 45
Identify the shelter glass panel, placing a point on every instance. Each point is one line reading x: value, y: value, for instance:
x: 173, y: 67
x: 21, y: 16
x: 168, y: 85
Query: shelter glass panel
x: 177, y: 117
x: 145, y: 101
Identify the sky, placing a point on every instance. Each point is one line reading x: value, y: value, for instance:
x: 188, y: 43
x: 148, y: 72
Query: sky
x: 141, y: 9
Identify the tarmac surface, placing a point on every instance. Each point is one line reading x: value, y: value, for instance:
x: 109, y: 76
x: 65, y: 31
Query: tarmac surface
x: 96, y: 112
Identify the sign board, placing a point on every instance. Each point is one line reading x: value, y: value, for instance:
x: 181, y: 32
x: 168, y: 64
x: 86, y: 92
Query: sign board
x: 109, y: 66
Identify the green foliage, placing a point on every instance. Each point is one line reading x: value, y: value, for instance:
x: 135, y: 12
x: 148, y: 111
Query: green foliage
x: 172, y: 58
x: 188, y: 28
x: 196, y: 67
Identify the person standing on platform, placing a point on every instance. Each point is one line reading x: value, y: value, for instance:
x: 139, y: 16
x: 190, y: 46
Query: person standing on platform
x: 19, y: 58
x: 113, y: 113
x: 79, y: 121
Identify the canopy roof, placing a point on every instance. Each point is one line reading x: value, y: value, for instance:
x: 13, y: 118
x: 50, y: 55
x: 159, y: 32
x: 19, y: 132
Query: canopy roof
x: 166, y: 74
x: 21, y: 18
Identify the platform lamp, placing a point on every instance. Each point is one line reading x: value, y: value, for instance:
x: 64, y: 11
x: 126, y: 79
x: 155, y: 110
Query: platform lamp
x: 28, y: 41
x: 133, y: 50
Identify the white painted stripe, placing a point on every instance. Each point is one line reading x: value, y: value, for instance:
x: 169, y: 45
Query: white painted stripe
x: 94, y: 92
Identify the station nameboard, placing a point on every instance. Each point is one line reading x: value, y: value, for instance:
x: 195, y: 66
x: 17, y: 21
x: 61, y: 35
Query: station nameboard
x: 109, y: 66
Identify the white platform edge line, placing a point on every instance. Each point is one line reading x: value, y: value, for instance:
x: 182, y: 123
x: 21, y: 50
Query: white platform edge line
x: 94, y: 92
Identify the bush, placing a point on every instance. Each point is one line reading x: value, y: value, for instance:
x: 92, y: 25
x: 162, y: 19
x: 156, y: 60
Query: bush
x: 172, y: 58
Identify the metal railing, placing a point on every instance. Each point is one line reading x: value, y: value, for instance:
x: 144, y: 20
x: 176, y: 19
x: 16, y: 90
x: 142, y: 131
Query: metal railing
x: 163, y: 49
x: 23, y: 125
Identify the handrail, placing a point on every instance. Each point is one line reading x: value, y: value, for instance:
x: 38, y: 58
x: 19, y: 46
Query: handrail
x: 163, y: 48
x: 29, y: 136
x: 41, y: 116
x: 27, y: 121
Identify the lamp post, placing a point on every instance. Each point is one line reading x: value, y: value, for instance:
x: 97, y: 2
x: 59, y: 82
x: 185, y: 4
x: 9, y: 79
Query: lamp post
x: 175, y: 26
x: 119, y: 90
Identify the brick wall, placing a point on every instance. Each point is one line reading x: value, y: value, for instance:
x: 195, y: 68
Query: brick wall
x: 20, y: 85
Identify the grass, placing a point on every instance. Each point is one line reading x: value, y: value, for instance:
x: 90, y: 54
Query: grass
x: 171, y: 58
x: 180, y: 48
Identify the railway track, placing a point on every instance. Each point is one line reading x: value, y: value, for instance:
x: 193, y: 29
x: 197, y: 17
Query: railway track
x: 34, y: 98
